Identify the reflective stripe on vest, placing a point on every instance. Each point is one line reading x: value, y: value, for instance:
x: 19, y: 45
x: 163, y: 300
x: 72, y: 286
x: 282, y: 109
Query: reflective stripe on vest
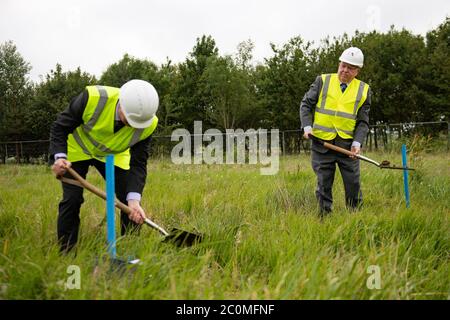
x: 98, y: 109
x: 331, y: 130
x: 98, y: 117
x: 335, y: 112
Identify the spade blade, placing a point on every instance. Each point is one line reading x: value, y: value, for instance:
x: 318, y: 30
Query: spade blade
x: 182, y: 238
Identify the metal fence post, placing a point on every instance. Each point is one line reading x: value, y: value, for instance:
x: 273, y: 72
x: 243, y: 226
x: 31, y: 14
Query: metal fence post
x: 448, y: 136
x: 388, y: 137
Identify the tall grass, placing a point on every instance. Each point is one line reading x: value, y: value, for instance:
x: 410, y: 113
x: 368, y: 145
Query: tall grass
x: 264, y: 239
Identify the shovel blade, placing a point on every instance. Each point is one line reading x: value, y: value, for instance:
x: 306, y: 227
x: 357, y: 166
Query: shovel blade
x: 182, y: 238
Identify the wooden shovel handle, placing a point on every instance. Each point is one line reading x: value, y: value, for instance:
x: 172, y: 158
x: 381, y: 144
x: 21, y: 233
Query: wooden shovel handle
x: 94, y: 189
x: 338, y: 149
x: 344, y: 151
x: 82, y: 183
x: 331, y: 146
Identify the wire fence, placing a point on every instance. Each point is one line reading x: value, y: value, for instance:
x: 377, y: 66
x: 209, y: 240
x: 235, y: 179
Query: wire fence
x: 384, y: 137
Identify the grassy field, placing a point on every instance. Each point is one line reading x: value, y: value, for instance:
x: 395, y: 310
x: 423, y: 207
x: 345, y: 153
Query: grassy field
x: 264, y: 237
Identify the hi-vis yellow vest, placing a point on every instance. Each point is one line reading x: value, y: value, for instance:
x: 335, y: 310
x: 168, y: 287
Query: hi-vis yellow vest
x: 335, y: 112
x: 95, y: 138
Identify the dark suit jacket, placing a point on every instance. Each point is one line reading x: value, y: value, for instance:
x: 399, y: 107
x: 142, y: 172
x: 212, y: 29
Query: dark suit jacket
x: 72, y: 117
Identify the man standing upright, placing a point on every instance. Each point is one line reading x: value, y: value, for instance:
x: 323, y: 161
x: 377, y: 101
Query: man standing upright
x: 336, y: 110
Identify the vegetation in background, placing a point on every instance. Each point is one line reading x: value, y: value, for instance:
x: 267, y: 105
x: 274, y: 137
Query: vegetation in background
x: 409, y: 75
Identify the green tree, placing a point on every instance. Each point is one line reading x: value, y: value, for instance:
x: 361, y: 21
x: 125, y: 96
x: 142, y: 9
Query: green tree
x: 326, y: 56
x: 436, y: 74
x: 52, y: 96
x: 283, y: 81
x: 189, y: 94
x: 231, y: 104
x: 169, y: 111
x: 162, y: 78
x: 129, y: 68
x: 391, y: 67
x: 244, y: 55
x: 15, y: 93
x: 252, y: 113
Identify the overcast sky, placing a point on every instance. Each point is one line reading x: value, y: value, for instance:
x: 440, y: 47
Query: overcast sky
x: 94, y: 34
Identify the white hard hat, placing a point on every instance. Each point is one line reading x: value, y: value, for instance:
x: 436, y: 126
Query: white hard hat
x: 139, y: 101
x: 353, y: 56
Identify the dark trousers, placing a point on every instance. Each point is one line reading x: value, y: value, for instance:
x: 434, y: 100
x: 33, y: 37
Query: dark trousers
x: 324, y: 165
x: 69, y: 207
